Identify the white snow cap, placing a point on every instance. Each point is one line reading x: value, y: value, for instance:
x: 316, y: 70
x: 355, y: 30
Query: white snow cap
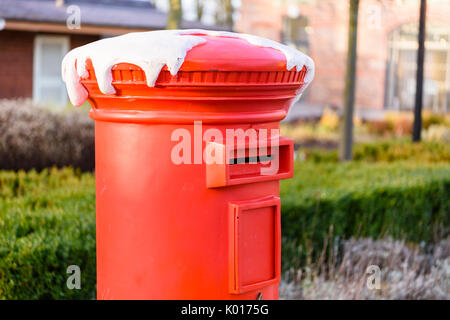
x: 151, y: 51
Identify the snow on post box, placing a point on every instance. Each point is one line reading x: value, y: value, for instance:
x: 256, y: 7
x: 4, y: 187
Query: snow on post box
x: 188, y: 160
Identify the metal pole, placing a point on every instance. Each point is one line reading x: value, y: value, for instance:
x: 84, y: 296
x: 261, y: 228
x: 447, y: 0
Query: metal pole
x: 419, y: 77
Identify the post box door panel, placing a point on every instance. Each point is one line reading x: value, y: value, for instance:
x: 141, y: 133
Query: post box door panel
x: 254, y: 244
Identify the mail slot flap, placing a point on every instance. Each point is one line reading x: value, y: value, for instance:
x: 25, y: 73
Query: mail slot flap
x: 254, y: 244
x: 266, y: 161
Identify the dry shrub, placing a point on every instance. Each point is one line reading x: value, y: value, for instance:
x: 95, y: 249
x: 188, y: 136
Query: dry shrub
x: 379, y: 127
x: 329, y: 119
x: 402, y: 126
x: 437, y: 132
x: 394, y: 124
x: 407, y: 272
x: 34, y: 137
x: 435, y: 119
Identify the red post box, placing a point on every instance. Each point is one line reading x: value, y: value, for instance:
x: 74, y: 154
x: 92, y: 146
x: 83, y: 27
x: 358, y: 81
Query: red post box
x: 171, y: 225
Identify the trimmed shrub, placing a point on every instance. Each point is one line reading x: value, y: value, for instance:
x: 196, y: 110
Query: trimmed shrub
x: 35, y: 138
x: 338, y: 201
x: 386, y: 151
x: 47, y: 223
x: 47, y: 218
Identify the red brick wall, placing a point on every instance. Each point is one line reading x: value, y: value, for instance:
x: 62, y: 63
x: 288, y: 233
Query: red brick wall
x: 16, y: 64
x: 77, y: 40
x: 16, y: 61
x: 328, y: 20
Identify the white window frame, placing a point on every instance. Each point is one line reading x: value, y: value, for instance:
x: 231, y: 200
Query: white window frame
x: 38, y: 79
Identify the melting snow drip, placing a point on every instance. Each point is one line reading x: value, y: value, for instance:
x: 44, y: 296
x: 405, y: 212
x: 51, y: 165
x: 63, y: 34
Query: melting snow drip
x: 151, y: 51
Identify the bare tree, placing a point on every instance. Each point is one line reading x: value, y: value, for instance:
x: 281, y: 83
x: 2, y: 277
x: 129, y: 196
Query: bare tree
x: 417, y: 128
x: 228, y: 11
x: 224, y: 13
x: 199, y: 5
x: 346, y: 141
x: 175, y: 14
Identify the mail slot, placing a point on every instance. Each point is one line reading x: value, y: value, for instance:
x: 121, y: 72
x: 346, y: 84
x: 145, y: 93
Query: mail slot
x: 170, y: 223
x: 246, y: 164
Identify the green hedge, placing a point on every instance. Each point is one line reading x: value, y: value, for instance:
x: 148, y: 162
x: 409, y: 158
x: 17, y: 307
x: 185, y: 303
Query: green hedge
x: 386, y: 151
x: 47, y: 222
x: 47, y: 219
x: 334, y: 201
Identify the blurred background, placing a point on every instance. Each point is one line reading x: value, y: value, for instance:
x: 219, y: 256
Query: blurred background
x: 385, y: 208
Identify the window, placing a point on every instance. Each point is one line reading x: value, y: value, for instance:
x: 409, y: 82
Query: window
x: 402, y: 65
x: 48, y: 86
x: 295, y: 32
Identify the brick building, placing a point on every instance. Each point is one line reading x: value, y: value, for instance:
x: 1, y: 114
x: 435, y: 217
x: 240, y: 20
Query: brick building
x: 36, y: 34
x: 387, y: 46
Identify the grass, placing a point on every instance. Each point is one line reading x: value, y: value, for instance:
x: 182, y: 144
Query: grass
x: 405, y: 270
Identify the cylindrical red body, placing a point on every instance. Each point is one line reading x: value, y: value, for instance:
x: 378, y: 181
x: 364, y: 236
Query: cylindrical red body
x: 190, y: 231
